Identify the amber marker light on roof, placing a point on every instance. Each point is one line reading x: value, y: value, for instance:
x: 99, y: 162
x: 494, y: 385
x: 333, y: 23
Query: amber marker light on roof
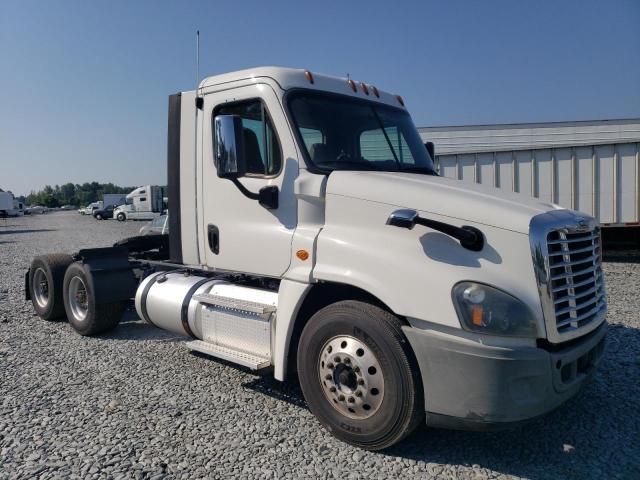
x: 364, y: 88
x: 352, y: 84
x: 309, y: 76
x: 375, y: 91
x: 400, y: 100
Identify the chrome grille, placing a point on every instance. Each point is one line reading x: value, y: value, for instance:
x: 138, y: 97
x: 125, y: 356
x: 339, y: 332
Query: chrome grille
x: 577, y: 286
x: 566, y: 250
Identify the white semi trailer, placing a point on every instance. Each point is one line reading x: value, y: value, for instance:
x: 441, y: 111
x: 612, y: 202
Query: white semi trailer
x: 114, y: 199
x: 309, y: 233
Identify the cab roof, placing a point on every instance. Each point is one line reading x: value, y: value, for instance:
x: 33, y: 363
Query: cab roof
x: 290, y: 78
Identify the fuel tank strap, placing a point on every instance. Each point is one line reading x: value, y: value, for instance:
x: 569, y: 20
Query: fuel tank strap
x: 184, y: 312
x: 143, y: 299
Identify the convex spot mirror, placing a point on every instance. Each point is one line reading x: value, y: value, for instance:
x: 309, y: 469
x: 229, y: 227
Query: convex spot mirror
x: 230, y: 159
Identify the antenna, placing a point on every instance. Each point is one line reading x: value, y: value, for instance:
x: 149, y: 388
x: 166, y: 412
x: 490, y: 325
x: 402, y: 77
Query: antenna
x: 197, y: 60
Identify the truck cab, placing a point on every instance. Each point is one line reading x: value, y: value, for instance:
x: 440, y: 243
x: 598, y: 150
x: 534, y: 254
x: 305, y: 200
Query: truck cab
x: 143, y: 203
x: 309, y: 233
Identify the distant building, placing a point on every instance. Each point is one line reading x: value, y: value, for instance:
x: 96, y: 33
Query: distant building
x: 591, y: 166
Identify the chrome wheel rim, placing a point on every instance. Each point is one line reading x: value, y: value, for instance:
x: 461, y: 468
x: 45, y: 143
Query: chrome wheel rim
x: 40, y: 288
x: 351, y: 377
x: 78, y: 300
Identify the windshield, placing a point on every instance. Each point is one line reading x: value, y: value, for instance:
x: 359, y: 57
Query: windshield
x: 341, y: 133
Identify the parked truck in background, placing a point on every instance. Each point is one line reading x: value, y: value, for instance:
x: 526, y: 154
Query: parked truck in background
x: 309, y: 233
x: 143, y: 203
x: 10, y: 206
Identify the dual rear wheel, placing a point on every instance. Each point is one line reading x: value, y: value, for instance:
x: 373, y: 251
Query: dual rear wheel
x: 58, y: 286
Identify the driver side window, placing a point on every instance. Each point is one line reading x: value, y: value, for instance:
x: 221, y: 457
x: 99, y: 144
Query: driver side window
x: 262, y: 147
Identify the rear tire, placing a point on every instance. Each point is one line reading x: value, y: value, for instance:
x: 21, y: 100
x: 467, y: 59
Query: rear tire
x: 46, y: 276
x: 84, y: 315
x: 121, y: 217
x: 359, y: 376
x: 98, y: 217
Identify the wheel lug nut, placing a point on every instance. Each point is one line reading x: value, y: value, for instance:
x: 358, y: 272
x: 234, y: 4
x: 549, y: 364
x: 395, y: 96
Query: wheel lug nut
x: 328, y: 376
x: 360, y: 381
x: 351, y: 399
x: 356, y: 369
x: 330, y: 366
x: 332, y: 389
x: 341, y: 398
x: 336, y: 359
x: 347, y: 361
x: 358, y: 393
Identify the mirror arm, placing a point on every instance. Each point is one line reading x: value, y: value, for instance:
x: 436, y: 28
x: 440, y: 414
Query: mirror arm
x: 267, y: 196
x: 469, y: 237
x: 243, y: 189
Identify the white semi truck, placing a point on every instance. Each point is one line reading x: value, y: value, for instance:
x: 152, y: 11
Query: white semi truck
x: 143, y: 203
x: 309, y: 234
x: 10, y: 206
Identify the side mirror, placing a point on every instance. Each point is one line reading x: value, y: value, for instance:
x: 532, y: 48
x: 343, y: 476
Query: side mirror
x: 230, y: 157
x: 403, y: 218
x: 431, y: 148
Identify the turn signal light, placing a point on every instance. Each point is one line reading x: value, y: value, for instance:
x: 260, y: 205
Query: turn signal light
x: 364, y: 87
x: 476, y: 315
x: 352, y: 84
x: 302, y: 255
x: 375, y: 91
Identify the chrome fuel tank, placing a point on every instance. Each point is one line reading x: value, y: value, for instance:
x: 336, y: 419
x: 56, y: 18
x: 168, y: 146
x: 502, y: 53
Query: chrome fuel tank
x: 165, y: 300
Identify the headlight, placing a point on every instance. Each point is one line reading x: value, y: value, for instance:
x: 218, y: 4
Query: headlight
x: 485, y: 309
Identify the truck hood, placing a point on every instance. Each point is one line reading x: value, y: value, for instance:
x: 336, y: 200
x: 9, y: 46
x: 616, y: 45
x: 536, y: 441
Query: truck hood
x: 468, y: 202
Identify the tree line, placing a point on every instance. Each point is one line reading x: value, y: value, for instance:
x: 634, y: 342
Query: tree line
x: 73, y: 194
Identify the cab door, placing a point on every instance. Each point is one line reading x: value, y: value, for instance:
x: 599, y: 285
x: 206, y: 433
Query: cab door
x: 238, y: 233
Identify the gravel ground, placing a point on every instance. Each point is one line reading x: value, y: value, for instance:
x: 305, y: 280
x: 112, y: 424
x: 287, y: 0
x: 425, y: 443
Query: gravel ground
x: 136, y: 404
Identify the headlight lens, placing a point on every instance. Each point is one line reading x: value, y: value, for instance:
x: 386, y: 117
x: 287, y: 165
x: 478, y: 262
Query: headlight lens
x: 485, y: 309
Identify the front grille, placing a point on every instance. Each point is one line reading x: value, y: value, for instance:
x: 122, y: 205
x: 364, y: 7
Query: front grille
x: 575, y: 277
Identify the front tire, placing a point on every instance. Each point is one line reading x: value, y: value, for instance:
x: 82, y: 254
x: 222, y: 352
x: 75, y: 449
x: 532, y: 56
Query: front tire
x: 98, y: 217
x: 121, y: 217
x: 84, y: 315
x: 359, y: 376
x: 46, y: 276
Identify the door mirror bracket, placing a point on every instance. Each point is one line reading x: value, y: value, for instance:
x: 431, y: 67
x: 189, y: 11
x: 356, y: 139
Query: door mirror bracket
x: 267, y: 196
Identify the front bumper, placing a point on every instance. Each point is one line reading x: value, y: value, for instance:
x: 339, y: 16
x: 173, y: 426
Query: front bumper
x: 468, y: 385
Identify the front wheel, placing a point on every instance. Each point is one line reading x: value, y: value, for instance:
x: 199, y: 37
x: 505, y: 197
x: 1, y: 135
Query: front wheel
x: 359, y: 376
x: 98, y: 216
x: 85, y: 316
x: 121, y: 217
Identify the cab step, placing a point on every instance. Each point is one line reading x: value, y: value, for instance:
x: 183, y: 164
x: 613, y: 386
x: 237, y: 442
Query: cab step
x: 254, y: 362
x: 237, y: 304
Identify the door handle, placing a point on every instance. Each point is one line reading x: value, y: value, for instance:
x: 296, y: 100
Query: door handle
x: 213, y: 234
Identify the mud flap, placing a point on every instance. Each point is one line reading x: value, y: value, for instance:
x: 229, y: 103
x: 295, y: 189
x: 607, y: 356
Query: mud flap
x: 110, y: 273
x: 27, y: 292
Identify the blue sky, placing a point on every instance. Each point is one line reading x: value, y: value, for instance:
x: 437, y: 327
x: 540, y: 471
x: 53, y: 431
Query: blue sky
x: 84, y: 85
